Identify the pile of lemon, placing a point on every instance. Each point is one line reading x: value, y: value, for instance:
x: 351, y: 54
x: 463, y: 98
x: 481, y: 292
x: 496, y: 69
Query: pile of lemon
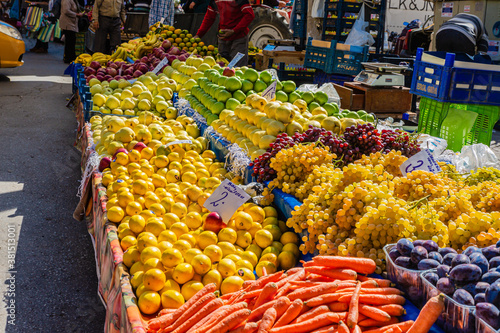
x: 156, y: 194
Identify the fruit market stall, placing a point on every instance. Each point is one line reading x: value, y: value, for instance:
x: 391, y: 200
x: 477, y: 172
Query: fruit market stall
x: 225, y: 199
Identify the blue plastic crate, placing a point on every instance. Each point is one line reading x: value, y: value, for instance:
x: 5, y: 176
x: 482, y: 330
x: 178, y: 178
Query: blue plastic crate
x: 300, y: 28
x: 332, y: 57
x: 321, y: 77
x: 441, y: 77
x: 299, y: 75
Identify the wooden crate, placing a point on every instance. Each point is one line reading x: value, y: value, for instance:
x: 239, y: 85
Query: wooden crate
x: 287, y: 57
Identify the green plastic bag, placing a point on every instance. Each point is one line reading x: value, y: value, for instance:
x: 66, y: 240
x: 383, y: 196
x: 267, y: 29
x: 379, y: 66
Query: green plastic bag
x: 456, y: 127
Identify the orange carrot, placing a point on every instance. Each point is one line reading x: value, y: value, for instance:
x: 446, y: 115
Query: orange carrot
x: 382, y: 283
x: 376, y: 299
x: 209, y: 318
x: 394, y: 329
x: 325, y: 299
x: 262, y: 281
x: 327, y: 329
x: 319, y: 278
x: 352, y: 317
x: 220, y: 316
x: 267, y: 321
x: 164, y: 312
x: 369, y: 284
x: 304, y: 284
x: 334, y: 273
x: 230, y: 295
x: 374, y: 313
x: 248, y: 283
x: 311, y: 292
x: 283, y: 290
x: 294, y: 270
x: 309, y: 325
x: 372, y: 322
x: 281, y: 306
x: 343, y: 328
x: 382, y: 291
x: 428, y: 315
x: 230, y: 322
x: 360, y: 265
x: 392, y: 309
x: 338, y: 307
x: 297, y: 276
x: 247, y: 328
x: 164, y: 321
x: 191, y: 311
x: 198, y: 315
x: 290, y: 314
x: 356, y: 329
x: 404, y: 326
x: 267, y: 294
x: 312, y: 313
x: 258, y: 312
x: 247, y: 295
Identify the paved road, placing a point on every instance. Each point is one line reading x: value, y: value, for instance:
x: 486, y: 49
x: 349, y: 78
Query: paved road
x: 55, y: 284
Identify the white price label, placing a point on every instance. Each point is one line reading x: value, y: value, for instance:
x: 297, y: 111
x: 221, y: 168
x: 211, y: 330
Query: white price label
x: 226, y: 199
x: 178, y: 142
x: 420, y: 161
x: 162, y: 64
x: 270, y: 92
x: 162, y: 20
x: 132, y: 81
x: 235, y: 60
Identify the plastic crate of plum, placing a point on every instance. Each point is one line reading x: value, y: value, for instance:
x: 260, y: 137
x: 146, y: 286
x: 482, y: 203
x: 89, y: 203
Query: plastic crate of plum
x: 471, y: 281
x: 406, y: 260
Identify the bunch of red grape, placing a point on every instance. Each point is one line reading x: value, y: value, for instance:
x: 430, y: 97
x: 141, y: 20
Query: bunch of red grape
x: 400, y: 141
x: 261, y: 166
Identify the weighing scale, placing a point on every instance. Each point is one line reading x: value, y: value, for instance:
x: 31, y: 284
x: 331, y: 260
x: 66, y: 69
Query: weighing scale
x: 379, y: 74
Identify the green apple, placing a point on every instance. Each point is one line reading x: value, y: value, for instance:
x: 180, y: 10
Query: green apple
x: 232, y: 103
x: 217, y: 108
x: 239, y: 95
x: 289, y: 86
x: 112, y: 102
x: 94, y: 81
x: 171, y: 113
x: 251, y: 75
x: 281, y: 96
x: 266, y: 77
x: 320, y: 97
x: 233, y: 84
x: 246, y: 85
x: 127, y: 103
x: 144, y: 105
x: 312, y: 106
x: 96, y: 89
x: 292, y: 97
x: 161, y: 106
x: 259, y: 86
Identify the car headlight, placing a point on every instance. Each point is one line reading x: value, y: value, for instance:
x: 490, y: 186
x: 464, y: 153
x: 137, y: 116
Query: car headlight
x: 10, y: 31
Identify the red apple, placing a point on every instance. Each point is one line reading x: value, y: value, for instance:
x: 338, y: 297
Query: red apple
x: 139, y: 146
x: 120, y: 150
x: 104, y: 164
x: 228, y: 72
x: 214, y: 222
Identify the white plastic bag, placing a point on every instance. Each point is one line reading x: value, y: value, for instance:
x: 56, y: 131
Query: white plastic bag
x: 318, y: 9
x: 358, y: 35
x: 436, y: 145
x: 474, y: 157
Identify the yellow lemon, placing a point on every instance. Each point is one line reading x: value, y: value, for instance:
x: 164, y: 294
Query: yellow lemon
x: 270, y: 220
x: 271, y: 257
x: 161, y: 161
x: 125, y: 232
x: 124, y: 198
x: 147, y: 153
x: 189, y: 238
x: 233, y: 257
x: 139, y: 186
x: 115, y: 214
x: 213, y: 252
x: 243, y: 221
x: 179, y: 229
x: 107, y: 179
x: 155, y: 226
x: 137, y: 223
x: 179, y: 209
x: 207, y: 238
x: 149, y: 302
x: 263, y: 238
x: 140, y: 290
x: 255, y: 227
x: 189, y: 289
x: 153, y: 263
x: 274, y: 230
x: 289, y: 237
x: 226, y: 267
x: 201, y: 264
x: 171, y: 257
x: 189, y: 177
x: 231, y: 285
x: 171, y: 299
x: 182, y: 198
x: 194, y: 220
x: 167, y: 235
x: 154, y: 279
x: 170, y: 285
x: 213, y: 276
x: 244, y: 264
x: 150, y: 199
x: 270, y: 249
x: 131, y: 256
x: 255, y: 249
x: 136, y: 279
x: 167, y: 203
x: 268, y: 266
x: 250, y: 257
x: 127, y: 242
x: 227, y: 248
x: 277, y: 245
x: 163, y: 245
x: 173, y: 176
x: 182, y: 245
x: 150, y: 252
x: 183, y: 273
x: 195, y: 208
x: 146, y: 213
x: 270, y: 211
x: 257, y: 213
x: 146, y: 241
x: 244, y: 238
x: 136, y: 267
x: 291, y: 247
x: 190, y: 254
x: 287, y: 260
x: 158, y: 209
x: 245, y: 274
x: 170, y: 218
x: 283, y: 226
x: 227, y: 235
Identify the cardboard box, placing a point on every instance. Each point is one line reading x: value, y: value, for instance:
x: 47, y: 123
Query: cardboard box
x: 287, y: 57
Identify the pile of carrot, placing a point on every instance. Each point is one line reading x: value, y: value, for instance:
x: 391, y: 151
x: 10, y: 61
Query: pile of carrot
x: 327, y: 295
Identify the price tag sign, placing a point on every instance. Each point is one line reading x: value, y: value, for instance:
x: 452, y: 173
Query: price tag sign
x: 162, y: 64
x: 235, y: 60
x: 226, y: 199
x: 270, y: 92
x: 178, y: 142
x: 420, y: 161
x: 162, y: 20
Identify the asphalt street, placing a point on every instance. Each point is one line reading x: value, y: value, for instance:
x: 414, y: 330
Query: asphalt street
x: 51, y: 285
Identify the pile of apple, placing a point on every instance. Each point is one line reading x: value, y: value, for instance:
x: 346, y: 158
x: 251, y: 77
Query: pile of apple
x: 173, y: 246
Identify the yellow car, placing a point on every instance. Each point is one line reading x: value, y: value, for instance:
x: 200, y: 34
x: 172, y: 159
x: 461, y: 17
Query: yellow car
x: 11, y: 46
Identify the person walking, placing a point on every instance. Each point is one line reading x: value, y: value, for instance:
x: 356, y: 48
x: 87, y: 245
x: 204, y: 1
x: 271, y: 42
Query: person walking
x: 162, y: 9
x: 463, y: 33
x: 69, y: 26
x: 108, y: 16
x: 235, y: 17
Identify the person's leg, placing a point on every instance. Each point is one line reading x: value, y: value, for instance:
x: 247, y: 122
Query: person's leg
x: 225, y: 49
x: 454, y: 41
x: 240, y: 45
x: 69, y: 46
x: 115, y: 34
x: 101, y: 35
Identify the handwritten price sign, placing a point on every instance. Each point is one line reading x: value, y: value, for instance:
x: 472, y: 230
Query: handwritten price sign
x: 226, y: 199
x: 420, y: 161
x: 270, y: 92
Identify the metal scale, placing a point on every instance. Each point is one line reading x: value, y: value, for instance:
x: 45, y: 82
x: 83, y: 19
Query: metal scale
x: 379, y: 74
